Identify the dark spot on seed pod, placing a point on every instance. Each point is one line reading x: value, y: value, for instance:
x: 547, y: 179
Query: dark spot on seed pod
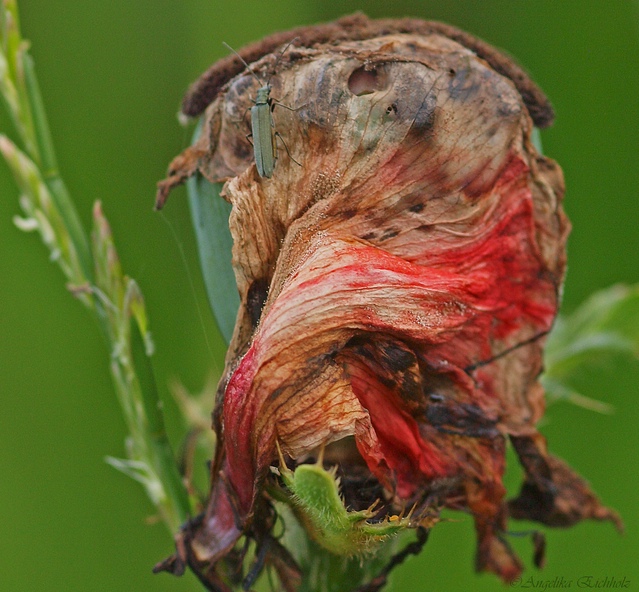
x: 389, y: 233
x: 463, y: 85
x: 347, y: 214
x: 276, y: 392
x: 417, y: 208
x: 491, y: 131
x: 438, y: 414
x: 255, y: 299
x: 426, y: 114
x: 465, y: 419
x: 411, y: 389
x: 397, y: 358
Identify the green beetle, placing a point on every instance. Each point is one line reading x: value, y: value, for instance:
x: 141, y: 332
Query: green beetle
x: 262, y: 127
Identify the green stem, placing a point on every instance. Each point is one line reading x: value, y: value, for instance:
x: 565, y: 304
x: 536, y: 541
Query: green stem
x: 49, y: 168
x: 17, y: 101
x: 178, y: 509
x: 94, y: 274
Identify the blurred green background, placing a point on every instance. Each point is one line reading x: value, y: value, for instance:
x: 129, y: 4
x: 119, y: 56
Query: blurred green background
x: 112, y: 76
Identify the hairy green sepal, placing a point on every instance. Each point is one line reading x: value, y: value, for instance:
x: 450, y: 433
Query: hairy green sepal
x: 315, y: 498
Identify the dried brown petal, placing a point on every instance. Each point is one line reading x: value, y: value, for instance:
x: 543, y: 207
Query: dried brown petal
x: 553, y: 493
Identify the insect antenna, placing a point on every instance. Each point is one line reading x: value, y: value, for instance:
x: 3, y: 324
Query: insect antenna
x: 279, y: 58
x: 244, y: 62
x: 249, y: 67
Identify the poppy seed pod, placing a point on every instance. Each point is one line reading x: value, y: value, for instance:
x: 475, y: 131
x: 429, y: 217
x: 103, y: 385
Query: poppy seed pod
x: 398, y: 274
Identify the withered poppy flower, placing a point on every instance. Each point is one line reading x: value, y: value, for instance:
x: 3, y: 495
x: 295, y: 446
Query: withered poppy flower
x: 396, y: 285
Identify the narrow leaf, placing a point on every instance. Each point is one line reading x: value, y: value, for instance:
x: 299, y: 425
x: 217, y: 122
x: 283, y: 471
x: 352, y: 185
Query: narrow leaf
x: 210, y: 215
x: 607, y: 323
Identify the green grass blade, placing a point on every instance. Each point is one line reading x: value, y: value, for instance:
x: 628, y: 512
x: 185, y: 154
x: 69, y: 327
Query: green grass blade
x: 151, y: 460
x: 177, y: 502
x: 49, y: 168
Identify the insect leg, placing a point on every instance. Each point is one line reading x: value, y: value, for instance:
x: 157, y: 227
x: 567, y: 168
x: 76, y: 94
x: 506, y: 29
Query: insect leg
x: 274, y: 103
x: 242, y: 119
x: 278, y: 135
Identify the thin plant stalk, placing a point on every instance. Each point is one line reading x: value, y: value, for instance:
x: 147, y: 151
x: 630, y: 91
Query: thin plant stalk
x: 93, y: 273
